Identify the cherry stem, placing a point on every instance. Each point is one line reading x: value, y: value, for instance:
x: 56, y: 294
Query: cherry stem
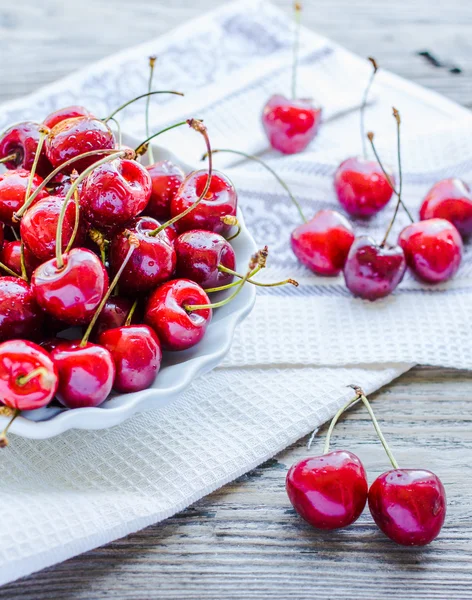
x: 296, y: 47
x: 22, y: 262
x: 200, y: 127
x: 255, y: 259
x: 38, y: 372
x: 17, y: 216
x: 42, y: 135
x: 233, y: 221
x: 98, y: 238
x: 250, y: 280
x: 266, y: 166
x: 370, y: 137
x: 9, y: 158
x: 118, y: 130
x: 144, y: 146
x: 3, y: 434
x: 334, y: 420
x: 15, y: 235
x: 10, y: 271
x: 133, y: 244
x: 396, y: 115
x: 77, y: 214
x: 361, y: 396
x: 152, y: 62
x: 139, y: 98
x: 131, y: 313
x: 71, y: 191
x: 364, y: 103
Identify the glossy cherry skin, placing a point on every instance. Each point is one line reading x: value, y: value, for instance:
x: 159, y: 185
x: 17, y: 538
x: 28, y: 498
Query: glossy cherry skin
x: 68, y: 112
x: 433, y: 249
x: 220, y: 200
x: 361, y: 187
x: 328, y: 491
x: 177, y: 328
x: 373, y: 271
x: 290, y: 125
x: 17, y: 359
x: 20, y: 315
x: 39, y: 225
x: 13, y: 187
x: 152, y: 263
x: 85, y: 374
x: 73, y: 293
x: 408, y: 505
x: 322, y: 244
x: 73, y: 137
x: 10, y: 255
x: 2, y: 235
x: 166, y: 179
x: 115, y: 192
x: 199, y: 253
x: 22, y: 139
x: 137, y: 354
x: 449, y: 199
x: 113, y: 314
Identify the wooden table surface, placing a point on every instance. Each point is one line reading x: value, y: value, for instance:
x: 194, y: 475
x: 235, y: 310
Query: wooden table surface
x: 245, y: 541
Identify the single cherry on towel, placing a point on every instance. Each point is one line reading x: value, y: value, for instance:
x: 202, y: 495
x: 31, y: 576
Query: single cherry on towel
x: 322, y: 244
x: 291, y: 124
x: 13, y: 188
x: 115, y: 192
x: 449, y: 199
x: 18, y: 145
x: 433, y: 249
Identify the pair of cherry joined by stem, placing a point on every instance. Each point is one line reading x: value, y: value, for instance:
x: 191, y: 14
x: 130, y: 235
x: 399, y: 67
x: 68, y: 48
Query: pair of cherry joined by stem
x: 331, y: 491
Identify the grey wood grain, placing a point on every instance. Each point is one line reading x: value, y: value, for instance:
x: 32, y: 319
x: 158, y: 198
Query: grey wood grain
x: 245, y: 541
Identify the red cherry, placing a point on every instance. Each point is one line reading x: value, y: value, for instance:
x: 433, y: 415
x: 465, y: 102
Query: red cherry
x: 60, y: 185
x: 361, y: 187
x: 10, y: 256
x: 72, y: 293
x: 137, y: 354
x: 433, y: 249
x: 177, y: 328
x: 373, y: 271
x: 166, y: 179
x: 152, y: 263
x: 85, y: 374
x: 328, y: 491
x: 20, y: 316
x: 2, y: 235
x: 28, y: 377
x: 112, y: 315
x: 322, y: 244
x: 39, y: 225
x: 13, y: 187
x: 290, y: 125
x: 449, y: 199
x: 200, y: 253
x: 68, y: 112
x: 73, y: 137
x: 408, y: 505
x: 21, y: 140
x: 115, y: 192
x: 220, y: 200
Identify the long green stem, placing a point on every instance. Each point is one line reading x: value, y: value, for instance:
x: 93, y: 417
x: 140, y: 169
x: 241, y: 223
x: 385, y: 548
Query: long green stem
x: 296, y: 48
x: 17, y: 216
x: 133, y: 244
x: 141, y: 149
x: 266, y: 166
x: 118, y: 129
x: 362, y: 396
x: 23, y: 262
x: 122, y: 106
x: 152, y: 62
x: 364, y: 103
x: 200, y: 127
x: 10, y: 271
x: 70, y: 192
x: 77, y: 219
x: 42, y: 135
x: 129, y: 318
x: 250, y: 280
x: 334, y: 420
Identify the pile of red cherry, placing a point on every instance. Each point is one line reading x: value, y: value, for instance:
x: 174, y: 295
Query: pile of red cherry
x: 330, y: 491
x: 77, y: 208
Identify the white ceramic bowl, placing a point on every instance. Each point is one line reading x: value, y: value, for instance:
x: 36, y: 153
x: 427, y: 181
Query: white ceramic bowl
x: 178, y: 369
